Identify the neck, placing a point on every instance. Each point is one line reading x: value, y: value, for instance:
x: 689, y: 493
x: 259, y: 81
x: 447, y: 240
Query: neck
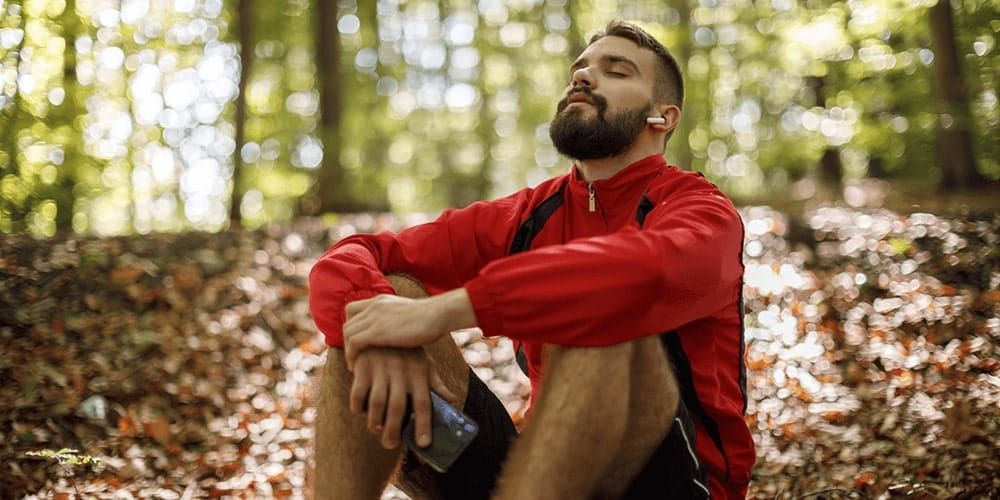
x: 605, y: 168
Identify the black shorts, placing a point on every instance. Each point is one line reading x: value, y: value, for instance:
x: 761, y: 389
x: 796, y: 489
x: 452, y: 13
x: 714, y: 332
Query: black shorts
x: 672, y: 472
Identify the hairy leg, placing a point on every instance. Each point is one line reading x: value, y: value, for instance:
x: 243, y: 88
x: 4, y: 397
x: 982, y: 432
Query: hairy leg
x: 653, y: 397
x: 350, y: 461
x: 601, y: 414
x: 575, y: 428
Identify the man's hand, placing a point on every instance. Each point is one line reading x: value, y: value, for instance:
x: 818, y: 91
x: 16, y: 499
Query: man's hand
x: 391, y: 321
x: 384, y: 377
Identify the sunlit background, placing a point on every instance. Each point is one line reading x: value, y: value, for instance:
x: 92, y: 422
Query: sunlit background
x: 124, y: 116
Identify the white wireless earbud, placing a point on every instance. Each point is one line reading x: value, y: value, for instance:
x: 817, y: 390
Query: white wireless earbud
x: 656, y: 119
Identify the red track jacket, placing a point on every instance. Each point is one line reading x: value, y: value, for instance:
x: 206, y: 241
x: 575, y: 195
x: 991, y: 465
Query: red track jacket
x: 594, y: 277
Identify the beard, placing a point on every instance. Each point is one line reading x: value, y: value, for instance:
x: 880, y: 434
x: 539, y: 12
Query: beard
x: 601, y: 136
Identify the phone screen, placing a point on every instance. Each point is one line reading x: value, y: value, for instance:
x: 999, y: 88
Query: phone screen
x: 451, y: 433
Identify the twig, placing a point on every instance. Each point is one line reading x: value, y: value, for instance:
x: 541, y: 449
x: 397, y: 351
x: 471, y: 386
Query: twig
x: 71, y: 480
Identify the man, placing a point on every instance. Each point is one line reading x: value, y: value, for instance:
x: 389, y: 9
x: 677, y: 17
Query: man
x: 620, y: 283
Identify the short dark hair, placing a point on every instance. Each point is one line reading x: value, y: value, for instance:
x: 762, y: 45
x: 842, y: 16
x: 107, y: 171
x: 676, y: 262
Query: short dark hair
x: 669, y: 86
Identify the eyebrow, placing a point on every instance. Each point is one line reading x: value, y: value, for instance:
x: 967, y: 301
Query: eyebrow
x: 610, y: 58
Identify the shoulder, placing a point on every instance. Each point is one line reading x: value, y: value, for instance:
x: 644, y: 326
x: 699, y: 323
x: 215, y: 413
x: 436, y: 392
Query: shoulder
x: 675, y: 183
x: 680, y: 193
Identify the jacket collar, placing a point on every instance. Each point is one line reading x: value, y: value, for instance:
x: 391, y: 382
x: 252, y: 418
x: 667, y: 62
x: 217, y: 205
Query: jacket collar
x: 624, y: 187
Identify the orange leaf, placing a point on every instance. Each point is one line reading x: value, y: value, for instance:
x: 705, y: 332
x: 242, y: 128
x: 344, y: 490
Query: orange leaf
x: 865, y: 479
x: 127, y: 426
x: 125, y: 275
x: 158, y: 428
x: 834, y: 417
x: 311, y: 346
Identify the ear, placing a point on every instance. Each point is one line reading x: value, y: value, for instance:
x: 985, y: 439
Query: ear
x: 671, y: 113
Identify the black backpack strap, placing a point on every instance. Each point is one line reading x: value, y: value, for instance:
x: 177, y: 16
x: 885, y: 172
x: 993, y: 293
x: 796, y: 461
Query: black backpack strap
x: 685, y: 381
x: 531, y: 227
x: 644, y: 207
x: 522, y: 242
x: 743, y: 348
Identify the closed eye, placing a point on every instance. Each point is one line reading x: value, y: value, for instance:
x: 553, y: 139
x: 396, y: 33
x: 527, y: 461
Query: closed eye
x: 617, y: 74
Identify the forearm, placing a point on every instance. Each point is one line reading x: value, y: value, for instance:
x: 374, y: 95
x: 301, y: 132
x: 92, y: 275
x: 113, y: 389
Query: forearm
x: 454, y: 310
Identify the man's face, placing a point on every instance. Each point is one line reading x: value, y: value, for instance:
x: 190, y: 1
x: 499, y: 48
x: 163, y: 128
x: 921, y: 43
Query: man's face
x: 606, y: 103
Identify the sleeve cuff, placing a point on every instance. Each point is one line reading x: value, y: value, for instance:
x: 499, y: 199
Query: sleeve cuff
x: 336, y: 339
x: 484, y: 306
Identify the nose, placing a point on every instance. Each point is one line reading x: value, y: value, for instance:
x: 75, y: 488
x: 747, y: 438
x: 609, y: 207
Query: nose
x: 582, y: 77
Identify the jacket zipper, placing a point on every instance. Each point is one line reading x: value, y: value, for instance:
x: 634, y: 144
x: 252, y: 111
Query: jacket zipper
x: 593, y: 197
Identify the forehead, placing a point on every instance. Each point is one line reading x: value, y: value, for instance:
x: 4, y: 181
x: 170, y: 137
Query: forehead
x: 644, y: 58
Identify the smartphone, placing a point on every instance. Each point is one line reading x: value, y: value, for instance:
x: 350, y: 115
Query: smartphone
x: 451, y: 433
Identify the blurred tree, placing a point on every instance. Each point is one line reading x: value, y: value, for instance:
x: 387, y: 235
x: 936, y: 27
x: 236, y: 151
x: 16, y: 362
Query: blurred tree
x: 13, y: 191
x: 958, y: 163
x: 244, y: 20
x: 64, y: 121
x: 331, y: 188
x: 574, y: 36
x: 679, y: 147
x: 831, y: 170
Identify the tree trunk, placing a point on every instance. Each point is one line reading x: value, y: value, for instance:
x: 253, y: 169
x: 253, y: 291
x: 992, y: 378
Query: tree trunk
x: 679, y: 147
x: 330, y: 188
x: 487, y: 118
x: 72, y: 149
x: 245, y: 20
x: 830, y: 167
x: 14, y: 122
x: 576, y: 41
x: 958, y: 163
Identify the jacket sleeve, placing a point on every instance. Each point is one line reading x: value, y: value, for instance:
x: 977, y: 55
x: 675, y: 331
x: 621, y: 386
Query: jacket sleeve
x: 441, y: 254
x: 685, y: 264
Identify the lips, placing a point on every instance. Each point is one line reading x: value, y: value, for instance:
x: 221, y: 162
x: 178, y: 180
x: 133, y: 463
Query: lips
x: 579, y: 97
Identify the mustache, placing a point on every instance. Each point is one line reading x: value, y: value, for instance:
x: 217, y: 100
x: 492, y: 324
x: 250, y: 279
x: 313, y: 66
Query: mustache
x: 598, y: 99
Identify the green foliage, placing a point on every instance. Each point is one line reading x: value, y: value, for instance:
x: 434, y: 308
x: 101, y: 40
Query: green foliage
x: 118, y: 118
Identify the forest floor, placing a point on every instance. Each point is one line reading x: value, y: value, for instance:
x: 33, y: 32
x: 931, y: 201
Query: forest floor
x: 186, y: 362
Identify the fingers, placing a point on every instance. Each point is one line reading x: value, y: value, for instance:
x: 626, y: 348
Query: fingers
x: 358, y: 325
x: 438, y: 385
x: 357, y: 307
x: 354, y: 341
x: 420, y: 394
x: 395, y: 409
x: 385, y: 379
x: 360, y: 389
x: 376, y: 400
x: 353, y: 347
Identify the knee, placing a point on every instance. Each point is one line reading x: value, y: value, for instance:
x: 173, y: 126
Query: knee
x: 556, y: 355
x: 406, y: 286
x: 333, y: 385
x: 602, y: 371
x: 335, y: 370
x: 654, y: 386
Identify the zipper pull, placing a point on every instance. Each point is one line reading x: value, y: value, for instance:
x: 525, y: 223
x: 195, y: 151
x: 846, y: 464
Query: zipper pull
x: 593, y: 198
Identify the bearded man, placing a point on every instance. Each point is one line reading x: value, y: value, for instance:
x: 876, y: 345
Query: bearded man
x: 620, y: 284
